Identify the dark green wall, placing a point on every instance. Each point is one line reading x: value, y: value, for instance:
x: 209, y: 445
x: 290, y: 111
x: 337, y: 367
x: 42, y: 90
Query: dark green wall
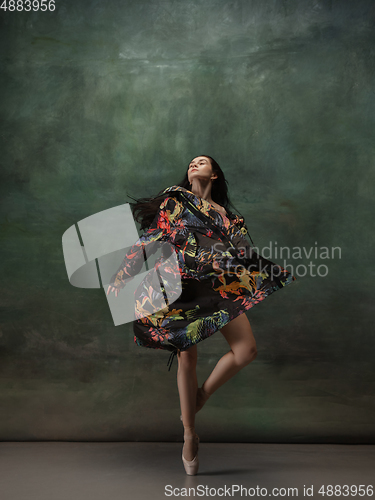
x: 100, y: 99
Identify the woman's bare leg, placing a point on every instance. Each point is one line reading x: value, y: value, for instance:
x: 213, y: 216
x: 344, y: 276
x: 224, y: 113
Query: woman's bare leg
x: 240, y: 338
x: 187, y: 387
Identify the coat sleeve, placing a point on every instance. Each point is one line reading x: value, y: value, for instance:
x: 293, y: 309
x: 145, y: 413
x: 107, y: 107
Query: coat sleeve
x: 165, y: 219
x: 240, y: 222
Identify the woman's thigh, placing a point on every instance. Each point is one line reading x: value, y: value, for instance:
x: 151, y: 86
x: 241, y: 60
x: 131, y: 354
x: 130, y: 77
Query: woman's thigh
x: 239, y: 335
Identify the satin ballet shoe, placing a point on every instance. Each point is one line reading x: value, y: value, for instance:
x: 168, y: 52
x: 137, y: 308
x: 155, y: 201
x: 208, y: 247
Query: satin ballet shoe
x: 202, y: 396
x: 191, y: 466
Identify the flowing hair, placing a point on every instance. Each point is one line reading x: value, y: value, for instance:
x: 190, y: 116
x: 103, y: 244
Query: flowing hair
x: 145, y: 209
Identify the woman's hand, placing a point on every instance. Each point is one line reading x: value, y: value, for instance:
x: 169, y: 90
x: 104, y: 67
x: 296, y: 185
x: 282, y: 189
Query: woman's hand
x: 112, y: 289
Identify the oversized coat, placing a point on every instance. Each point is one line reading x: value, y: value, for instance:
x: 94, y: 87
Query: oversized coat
x: 220, y: 273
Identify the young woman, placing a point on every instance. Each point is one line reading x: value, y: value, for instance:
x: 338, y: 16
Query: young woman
x: 210, y: 245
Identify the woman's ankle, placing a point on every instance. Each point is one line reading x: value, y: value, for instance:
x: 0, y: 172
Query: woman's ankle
x: 205, y: 393
x: 202, y: 397
x: 189, y: 430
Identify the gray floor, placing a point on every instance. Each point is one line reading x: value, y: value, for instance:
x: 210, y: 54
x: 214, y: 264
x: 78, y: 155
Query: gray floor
x: 75, y: 471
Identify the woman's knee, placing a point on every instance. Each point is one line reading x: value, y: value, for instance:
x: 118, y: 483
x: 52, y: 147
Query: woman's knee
x: 245, y: 355
x: 187, y: 359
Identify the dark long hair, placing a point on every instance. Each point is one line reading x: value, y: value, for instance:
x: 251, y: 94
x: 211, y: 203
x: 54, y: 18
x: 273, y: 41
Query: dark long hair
x: 145, y: 209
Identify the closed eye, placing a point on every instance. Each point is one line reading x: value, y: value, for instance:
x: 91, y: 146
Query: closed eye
x: 192, y: 165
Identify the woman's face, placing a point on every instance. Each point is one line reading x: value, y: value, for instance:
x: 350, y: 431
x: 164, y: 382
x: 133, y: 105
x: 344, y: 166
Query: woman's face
x: 200, y: 167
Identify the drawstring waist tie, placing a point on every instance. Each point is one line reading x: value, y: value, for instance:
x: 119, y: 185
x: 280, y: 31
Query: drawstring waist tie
x: 171, y: 358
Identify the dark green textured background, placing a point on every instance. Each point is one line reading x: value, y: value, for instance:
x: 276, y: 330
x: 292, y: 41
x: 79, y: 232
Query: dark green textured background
x: 103, y: 98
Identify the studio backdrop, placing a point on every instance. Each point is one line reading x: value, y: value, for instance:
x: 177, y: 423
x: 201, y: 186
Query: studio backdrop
x: 100, y: 100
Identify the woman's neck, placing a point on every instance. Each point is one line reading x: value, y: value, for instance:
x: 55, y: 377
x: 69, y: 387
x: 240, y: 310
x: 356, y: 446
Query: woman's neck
x: 202, y: 190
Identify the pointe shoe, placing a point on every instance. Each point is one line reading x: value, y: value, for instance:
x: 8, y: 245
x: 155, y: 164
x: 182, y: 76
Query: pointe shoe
x: 191, y: 466
x: 203, y: 395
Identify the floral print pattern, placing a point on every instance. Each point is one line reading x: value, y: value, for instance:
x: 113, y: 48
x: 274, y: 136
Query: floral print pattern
x: 217, y: 286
